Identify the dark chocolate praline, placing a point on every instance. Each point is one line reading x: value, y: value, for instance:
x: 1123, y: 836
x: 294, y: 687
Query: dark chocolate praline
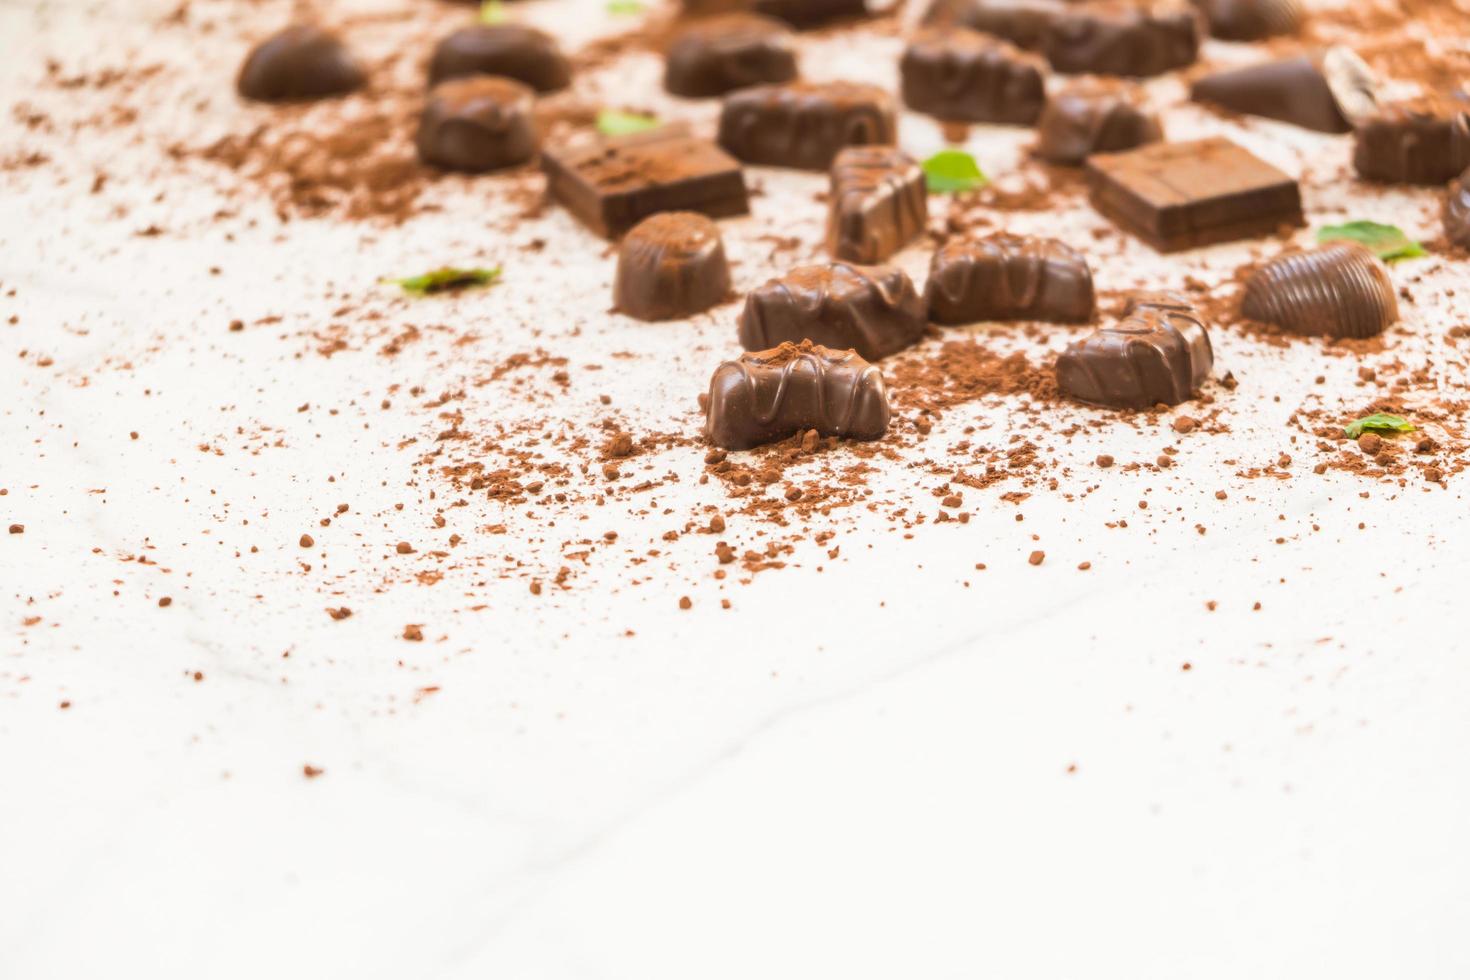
x: 726, y: 53
x: 671, y: 265
x: 1419, y: 141
x: 960, y: 75
x: 875, y: 310
x: 1008, y: 277
x: 1120, y: 39
x: 803, y: 124
x: 477, y: 124
x: 879, y: 203
x: 1340, y: 289
x: 1076, y: 124
x: 1158, y: 353
x: 509, y: 50
x: 299, y: 63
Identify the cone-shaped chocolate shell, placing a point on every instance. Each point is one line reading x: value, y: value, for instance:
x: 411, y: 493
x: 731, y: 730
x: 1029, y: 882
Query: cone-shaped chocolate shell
x: 1326, y: 92
x: 1338, y: 290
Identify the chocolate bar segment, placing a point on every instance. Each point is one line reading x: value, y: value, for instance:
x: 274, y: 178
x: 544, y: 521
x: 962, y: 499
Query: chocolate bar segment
x: 726, y: 53
x: 1251, y: 20
x: 1419, y: 141
x: 671, y: 265
x: 1078, y: 123
x: 1457, y: 212
x: 1184, y: 195
x: 1008, y: 277
x: 875, y: 310
x: 509, y: 50
x: 1024, y: 23
x: 768, y: 395
x: 477, y: 124
x: 1323, y: 92
x: 1158, y: 353
x: 1338, y: 290
x: 610, y: 184
x: 1120, y: 39
x: 879, y: 203
x: 804, y: 124
x: 957, y: 74
x: 298, y: 63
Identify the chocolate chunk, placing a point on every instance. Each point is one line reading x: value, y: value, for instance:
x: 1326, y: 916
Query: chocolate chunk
x: 298, y: 63
x: 478, y: 123
x: 1324, y: 92
x: 1184, y: 195
x: 726, y: 53
x: 1251, y: 20
x: 768, y: 395
x: 1008, y: 277
x: 1022, y: 22
x: 872, y: 309
x: 1420, y: 141
x: 804, y: 124
x: 797, y: 13
x: 1457, y: 212
x: 1076, y: 124
x: 957, y: 74
x: 1159, y: 353
x: 879, y: 203
x: 510, y: 50
x: 1116, y: 39
x: 610, y: 184
x: 671, y: 265
x: 1340, y: 289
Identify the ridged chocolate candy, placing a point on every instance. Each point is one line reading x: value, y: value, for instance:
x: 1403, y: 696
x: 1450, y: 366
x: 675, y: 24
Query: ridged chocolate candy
x: 875, y: 310
x: 477, y: 124
x: 1158, y: 353
x: 768, y: 395
x: 804, y: 124
x: 1325, y: 92
x: 1008, y: 277
x: 1336, y: 290
x: 1421, y: 141
x: 957, y: 74
x: 879, y: 203
x: 1119, y: 39
x: 1251, y: 20
x: 1457, y: 212
x: 510, y: 50
x: 726, y: 53
x: 1022, y: 22
x: 298, y: 63
x: 671, y: 265
x: 1076, y: 124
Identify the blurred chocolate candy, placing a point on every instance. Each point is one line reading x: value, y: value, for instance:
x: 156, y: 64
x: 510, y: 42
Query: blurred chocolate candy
x: 478, y: 123
x: 299, y: 63
x: 1076, y: 124
x: 510, y: 50
x: 1251, y: 20
x: 726, y: 53
x: 1419, y: 141
x: 1326, y: 91
x: 1008, y: 277
x: 957, y: 74
x: 804, y: 124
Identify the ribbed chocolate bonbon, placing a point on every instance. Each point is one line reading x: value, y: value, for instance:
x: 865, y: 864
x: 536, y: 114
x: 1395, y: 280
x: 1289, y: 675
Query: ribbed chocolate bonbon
x: 1337, y: 290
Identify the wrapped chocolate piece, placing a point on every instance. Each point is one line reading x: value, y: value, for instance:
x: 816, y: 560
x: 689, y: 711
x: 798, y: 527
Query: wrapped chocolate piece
x: 768, y: 395
x: 1076, y: 124
x: 957, y: 74
x: 875, y: 310
x: 477, y: 124
x: 1457, y: 212
x: 726, y: 53
x: 509, y: 50
x: 296, y: 64
x: 803, y: 124
x: 1158, y: 353
x: 1119, y: 39
x: 1251, y: 20
x: 1340, y: 289
x: 879, y: 203
x: 1008, y: 277
x: 1325, y: 92
x: 1420, y: 141
x: 671, y: 265
x: 1022, y: 22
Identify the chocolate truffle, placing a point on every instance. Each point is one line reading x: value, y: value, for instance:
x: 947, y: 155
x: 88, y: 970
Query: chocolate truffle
x: 1324, y: 92
x: 1008, y: 277
x: 1022, y: 22
x: 1340, y: 289
x: 1457, y: 212
x: 478, y: 123
x: 1118, y: 39
x: 879, y: 203
x: 872, y: 309
x: 1159, y: 353
x: 1420, y: 141
x: 671, y: 265
x: 726, y: 53
x: 769, y: 395
x: 510, y: 50
x: 1076, y: 124
x: 301, y: 62
x: 957, y: 74
x: 1251, y: 20
x: 804, y: 124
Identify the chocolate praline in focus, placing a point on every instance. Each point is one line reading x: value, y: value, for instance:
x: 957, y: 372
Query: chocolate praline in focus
x: 879, y: 203
x: 1008, y: 277
x: 726, y: 53
x: 1158, y: 353
x: 803, y: 124
x: 1457, y: 212
x: 768, y: 395
x: 671, y: 265
x: 509, y: 50
x: 1076, y: 124
x: 477, y: 124
x: 957, y: 74
x: 1325, y: 91
x: 1118, y: 39
x: 1420, y: 141
x: 1336, y: 290
x: 875, y: 310
x: 1251, y: 20
x: 299, y: 63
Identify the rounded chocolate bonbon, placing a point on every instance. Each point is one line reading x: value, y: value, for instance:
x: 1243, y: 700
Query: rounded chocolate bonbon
x: 723, y: 54
x: 509, y: 50
x: 1337, y: 290
x: 1076, y: 124
x: 298, y: 63
x: 477, y: 124
x: 803, y: 124
x: 671, y: 265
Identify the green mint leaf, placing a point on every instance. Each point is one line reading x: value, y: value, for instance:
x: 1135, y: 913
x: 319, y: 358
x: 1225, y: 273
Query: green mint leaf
x: 622, y: 8
x: 1377, y: 422
x: 492, y: 12
x: 446, y: 279
x: 950, y: 171
x: 1386, y: 241
x: 611, y: 123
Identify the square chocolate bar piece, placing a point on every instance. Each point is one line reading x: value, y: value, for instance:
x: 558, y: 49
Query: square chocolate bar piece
x: 1184, y: 195
x: 611, y: 184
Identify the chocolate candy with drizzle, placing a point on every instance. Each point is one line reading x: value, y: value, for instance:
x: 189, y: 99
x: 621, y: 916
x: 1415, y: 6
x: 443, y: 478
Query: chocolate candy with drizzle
x: 1158, y: 353
x: 959, y: 75
x: 1078, y: 123
x: 804, y: 124
x: 296, y: 64
x: 879, y: 203
x: 1340, y: 289
x: 875, y: 310
x: 1008, y: 277
x: 671, y: 265
x: 726, y: 53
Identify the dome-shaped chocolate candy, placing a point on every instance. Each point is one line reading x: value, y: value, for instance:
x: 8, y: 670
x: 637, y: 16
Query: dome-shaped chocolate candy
x: 510, y: 50
x: 478, y: 123
x: 298, y: 63
x: 671, y: 265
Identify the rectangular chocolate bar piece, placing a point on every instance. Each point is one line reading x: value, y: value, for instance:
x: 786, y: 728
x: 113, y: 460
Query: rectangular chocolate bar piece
x: 1184, y: 195
x: 610, y: 184
x: 879, y: 203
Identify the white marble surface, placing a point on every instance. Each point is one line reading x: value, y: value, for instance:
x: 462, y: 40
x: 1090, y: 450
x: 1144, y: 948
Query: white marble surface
x: 883, y: 765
